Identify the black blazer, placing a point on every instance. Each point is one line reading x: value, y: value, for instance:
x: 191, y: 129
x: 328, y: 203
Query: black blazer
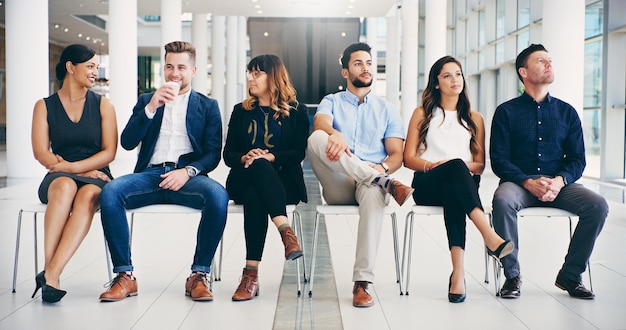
x: 293, y: 142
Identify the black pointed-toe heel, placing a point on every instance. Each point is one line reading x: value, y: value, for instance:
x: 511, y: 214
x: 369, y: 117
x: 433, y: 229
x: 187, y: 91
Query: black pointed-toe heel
x: 51, y: 295
x: 503, y: 250
x: 40, y: 281
x: 455, y: 297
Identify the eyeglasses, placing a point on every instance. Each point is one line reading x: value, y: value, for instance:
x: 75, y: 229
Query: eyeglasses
x: 254, y: 74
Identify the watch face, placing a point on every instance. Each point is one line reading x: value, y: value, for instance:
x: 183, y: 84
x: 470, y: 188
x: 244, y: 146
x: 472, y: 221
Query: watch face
x: 191, y: 171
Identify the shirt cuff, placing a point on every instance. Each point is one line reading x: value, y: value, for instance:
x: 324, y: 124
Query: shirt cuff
x: 149, y: 114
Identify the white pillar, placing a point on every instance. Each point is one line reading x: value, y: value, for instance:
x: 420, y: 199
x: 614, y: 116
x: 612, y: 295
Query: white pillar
x: 27, y: 80
x: 123, y: 66
x: 568, y: 53
x: 392, y: 59
x: 232, y: 36
x: 434, y: 32
x: 218, y: 66
x: 242, y: 58
x: 199, y: 36
x: 410, y: 19
x: 171, y: 25
x: 372, y: 40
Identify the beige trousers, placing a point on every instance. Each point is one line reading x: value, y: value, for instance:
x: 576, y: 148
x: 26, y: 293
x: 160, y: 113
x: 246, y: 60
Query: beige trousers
x: 348, y: 182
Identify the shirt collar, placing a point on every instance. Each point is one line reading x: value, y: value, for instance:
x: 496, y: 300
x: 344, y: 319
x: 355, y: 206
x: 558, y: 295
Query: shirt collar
x: 353, y: 99
x: 529, y: 98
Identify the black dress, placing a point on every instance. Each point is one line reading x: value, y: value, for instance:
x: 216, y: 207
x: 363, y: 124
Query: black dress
x: 74, y: 141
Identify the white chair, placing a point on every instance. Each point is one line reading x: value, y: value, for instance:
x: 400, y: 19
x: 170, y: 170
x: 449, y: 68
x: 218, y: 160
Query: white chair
x: 353, y: 210
x: 549, y: 212
x: 296, y: 225
x: 35, y: 209
x: 216, y: 268
x: 427, y: 211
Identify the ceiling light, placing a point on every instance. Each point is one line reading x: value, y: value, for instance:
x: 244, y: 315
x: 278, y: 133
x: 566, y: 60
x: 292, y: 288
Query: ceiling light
x: 343, y: 34
x: 56, y: 26
x: 265, y: 34
x: 348, y: 13
x: 259, y: 12
x: 65, y: 30
x: 257, y: 6
x: 80, y: 35
x: 87, y: 38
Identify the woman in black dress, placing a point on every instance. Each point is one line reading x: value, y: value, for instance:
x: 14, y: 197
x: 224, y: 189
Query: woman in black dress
x: 74, y: 135
x: 265, y: 145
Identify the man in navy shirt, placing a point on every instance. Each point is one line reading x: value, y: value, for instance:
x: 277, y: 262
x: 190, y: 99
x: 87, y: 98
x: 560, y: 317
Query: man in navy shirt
x: 537, y: 150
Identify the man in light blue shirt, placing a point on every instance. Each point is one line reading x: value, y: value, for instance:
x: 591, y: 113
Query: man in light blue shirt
x: 357, y: 142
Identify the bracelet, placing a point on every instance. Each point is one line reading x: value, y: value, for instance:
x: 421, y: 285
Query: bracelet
x: 426, y: 163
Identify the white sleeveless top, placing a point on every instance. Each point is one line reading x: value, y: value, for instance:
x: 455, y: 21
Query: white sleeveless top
x: 446, y: 138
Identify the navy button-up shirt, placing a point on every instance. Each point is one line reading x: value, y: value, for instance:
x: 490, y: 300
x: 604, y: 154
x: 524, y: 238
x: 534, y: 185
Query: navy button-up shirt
x: 530, y: 138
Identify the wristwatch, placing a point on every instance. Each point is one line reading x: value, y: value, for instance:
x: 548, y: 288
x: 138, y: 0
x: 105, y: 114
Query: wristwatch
x: 564, y: 179
x: 385, y: 166
x: 191, y: 171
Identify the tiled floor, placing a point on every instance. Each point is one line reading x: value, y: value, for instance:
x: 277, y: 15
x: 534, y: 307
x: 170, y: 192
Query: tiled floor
x: 163, y: 247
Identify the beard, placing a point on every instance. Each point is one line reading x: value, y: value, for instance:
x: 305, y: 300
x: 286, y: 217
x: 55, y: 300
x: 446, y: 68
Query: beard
x: 358, y: 83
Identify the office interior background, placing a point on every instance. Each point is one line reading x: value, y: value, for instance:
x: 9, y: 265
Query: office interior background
x: 586, y: 39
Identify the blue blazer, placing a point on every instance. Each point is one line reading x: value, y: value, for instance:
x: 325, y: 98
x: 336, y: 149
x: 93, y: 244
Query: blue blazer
x: 204, y: 127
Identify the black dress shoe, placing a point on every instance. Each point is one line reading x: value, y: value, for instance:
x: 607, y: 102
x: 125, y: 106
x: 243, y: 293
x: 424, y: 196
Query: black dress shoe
x: 512, y: 287
x: 503, y: 250
x: 574, y: 288
x: 455, y: 297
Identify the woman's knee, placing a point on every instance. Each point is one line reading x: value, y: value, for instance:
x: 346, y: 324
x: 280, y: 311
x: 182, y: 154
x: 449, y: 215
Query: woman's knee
x: 62, y: 186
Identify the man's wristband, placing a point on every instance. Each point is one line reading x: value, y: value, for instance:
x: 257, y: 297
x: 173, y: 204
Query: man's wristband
x: 564, y: 179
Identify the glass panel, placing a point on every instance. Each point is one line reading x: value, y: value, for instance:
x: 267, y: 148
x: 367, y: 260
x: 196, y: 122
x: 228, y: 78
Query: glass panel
x: 500, y: 21
x: 593, y: 19
x: 523, y: 40
x: 591, y: 131
x: 593, y: 74
x: 481, y: 28
x: 499, y: 52
x: 523, y: 13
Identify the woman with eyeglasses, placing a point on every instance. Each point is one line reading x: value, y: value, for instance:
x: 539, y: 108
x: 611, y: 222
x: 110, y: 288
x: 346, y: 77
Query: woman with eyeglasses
x: 445, y: 146
x: 74, y: 136
x: 265, y: 145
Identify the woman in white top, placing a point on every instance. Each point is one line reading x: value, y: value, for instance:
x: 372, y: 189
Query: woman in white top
x: 445, y: 146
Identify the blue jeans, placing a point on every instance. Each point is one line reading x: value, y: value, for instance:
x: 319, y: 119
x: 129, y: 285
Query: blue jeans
x: 141, y: 189
x: 590, y: 207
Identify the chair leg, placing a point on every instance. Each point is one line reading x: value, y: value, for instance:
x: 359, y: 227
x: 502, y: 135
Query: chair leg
x: 219, y: 264
x: 17, y: 248
x: 301, y: 235
x: 36, y: 245
x: 107, y: 255
x: 314, y: 254
x: 406, y: 253
x: 396, y: 248
x: 497, y: 275
x: 296, y: 224
x: 571, y: 234
x: 489, y: 216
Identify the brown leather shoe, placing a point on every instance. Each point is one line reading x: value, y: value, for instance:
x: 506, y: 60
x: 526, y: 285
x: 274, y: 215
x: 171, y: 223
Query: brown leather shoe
x: 361, y: 297
x: 400, y: 192
x: 292, y: 247
x: 121, y: 287
x: 249, y: 286
x: 197, y: 287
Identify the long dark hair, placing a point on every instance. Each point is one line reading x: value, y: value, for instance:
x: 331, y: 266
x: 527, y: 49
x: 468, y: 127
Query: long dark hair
x: 431, y: 99
x: 73, y: 53
x: 282, y: 92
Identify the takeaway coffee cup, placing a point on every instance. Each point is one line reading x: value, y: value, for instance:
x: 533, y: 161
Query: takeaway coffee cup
x: 175, y: 88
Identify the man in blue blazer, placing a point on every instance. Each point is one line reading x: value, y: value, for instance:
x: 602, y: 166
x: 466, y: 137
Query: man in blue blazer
x: 180, y: 133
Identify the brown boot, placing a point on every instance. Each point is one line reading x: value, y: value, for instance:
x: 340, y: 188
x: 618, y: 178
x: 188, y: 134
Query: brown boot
x: 400, y: 192
x: 248, y: 287
x: 197, y: 287
x: 292, y: 247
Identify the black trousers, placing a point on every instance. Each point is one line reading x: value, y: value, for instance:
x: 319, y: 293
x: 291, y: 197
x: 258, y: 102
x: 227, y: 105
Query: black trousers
x: 452, y: 186
x: 262, y: 192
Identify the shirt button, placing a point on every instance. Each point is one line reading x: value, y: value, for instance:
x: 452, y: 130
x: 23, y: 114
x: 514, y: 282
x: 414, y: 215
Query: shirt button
x: 539, y: 155
x: 538, y: 169
x: 540, y: 139
x: 539, y: 122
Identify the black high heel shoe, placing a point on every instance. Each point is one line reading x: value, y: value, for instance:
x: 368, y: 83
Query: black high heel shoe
x: 455, y: 297
x: 503, y: 250
x: 48, y: 293
x: 40, y: 281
